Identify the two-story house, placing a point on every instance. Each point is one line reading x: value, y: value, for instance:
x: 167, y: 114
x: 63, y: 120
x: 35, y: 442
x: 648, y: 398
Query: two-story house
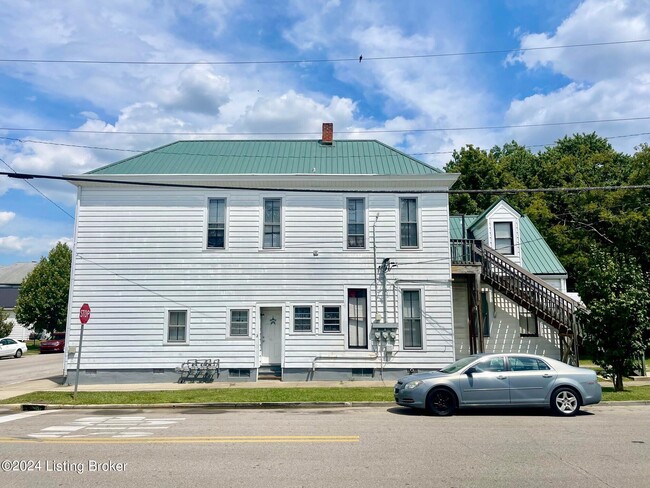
x: 301, y: 259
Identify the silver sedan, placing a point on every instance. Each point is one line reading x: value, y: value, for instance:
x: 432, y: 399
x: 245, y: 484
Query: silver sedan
x: 500, y: 380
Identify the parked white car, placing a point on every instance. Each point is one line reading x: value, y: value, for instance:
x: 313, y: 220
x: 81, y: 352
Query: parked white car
x: 10, y: 347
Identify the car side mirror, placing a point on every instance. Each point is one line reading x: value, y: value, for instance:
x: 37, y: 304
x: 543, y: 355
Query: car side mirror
x: 470, y: 371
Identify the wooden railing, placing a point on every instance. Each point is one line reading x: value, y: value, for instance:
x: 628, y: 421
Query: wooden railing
x: 524, y: 288
x: 518, y: 284
x: 466, y: 252
x: 529, y: 291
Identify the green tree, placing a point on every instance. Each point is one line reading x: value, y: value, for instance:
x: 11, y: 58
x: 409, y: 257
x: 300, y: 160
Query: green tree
x: 617, y: 322
x: 479, y: 170
x: 43, y: 296
x: 5, y: 326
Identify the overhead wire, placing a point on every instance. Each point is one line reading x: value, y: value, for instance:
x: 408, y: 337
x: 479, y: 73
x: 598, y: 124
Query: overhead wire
x: 306, y: 133
x: 355, y: 59
x: 217, y: 155
x: 508, y: 191
x: 38, y: 191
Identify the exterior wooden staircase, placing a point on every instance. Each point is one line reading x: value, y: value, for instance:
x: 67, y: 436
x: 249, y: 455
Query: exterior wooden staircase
x: 525, y: 289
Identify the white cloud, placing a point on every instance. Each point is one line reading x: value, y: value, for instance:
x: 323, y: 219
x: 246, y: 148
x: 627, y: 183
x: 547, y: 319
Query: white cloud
x: 294, y: 112
x: 29, y: 246
x: 199, y: 90
x: 607, y: 82
x: 594, y: 21
x: 6, y: 217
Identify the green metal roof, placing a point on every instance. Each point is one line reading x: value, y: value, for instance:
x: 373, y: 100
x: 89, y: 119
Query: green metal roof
x: 270, y: 157
x: 537, y: 256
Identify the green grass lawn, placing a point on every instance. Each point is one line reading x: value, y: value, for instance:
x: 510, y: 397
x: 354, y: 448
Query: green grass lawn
x: 254, y: 395
x: 588, y: 363
x: 33, y: 347
x: 237, y: 395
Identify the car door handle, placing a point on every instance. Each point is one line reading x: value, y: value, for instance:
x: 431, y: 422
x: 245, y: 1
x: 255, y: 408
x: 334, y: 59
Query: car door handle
x: 501, y: 377
x: 547, y: 375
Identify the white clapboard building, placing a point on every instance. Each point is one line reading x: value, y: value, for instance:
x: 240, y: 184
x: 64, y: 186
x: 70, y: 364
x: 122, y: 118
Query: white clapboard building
x: 300, y: 260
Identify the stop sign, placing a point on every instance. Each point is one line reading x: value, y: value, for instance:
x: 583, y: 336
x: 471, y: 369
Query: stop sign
x: 84, y: 313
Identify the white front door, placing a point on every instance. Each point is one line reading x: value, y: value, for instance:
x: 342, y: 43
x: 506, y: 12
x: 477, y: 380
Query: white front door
x: 271, y: 335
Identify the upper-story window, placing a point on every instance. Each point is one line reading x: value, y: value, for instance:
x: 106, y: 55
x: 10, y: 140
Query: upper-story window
x: 216, y: 223
x: 272, y: 223
x: 356, y: 223
x: 503, y: 238
x: 408, y: 219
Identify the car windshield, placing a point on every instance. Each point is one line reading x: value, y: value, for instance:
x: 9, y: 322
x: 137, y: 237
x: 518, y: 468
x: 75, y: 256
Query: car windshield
x: 460, y: 364
x: 57, y: 336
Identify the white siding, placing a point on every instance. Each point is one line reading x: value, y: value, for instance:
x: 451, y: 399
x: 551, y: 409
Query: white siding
x: 141, y: 251
x: 504, y: 330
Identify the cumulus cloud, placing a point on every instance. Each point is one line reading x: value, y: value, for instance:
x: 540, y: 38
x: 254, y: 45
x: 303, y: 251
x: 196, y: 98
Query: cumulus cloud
x: 606, y: 82
x: 198, y: 89
x: 294, y: 112
x: 594, y: 21
x: 29, y: 246
x: 6, y: 217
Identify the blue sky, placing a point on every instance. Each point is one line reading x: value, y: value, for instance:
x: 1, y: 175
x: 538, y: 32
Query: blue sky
x: 529, y: 87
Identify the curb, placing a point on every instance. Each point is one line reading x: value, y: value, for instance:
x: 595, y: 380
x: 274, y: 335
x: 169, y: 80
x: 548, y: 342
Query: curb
x: 237, y: 406
x: 252, y: 405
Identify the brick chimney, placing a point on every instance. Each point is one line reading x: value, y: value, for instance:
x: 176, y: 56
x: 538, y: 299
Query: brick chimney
x: 328, y: 133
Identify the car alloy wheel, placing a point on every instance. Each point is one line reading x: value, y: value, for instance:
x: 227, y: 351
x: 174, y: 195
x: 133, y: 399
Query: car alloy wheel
x: 441, y: 402
x: 19, y: 353
x: 565, y: 402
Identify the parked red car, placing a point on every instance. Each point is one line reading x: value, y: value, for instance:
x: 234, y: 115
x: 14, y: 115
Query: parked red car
x: 55, y: 344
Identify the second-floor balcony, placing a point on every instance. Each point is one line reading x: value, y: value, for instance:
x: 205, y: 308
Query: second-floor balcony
x: 466, y: 252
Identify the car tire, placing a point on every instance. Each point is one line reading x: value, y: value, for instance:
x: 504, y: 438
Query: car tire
x: 565, y: 402
x: 441, y: 402
x: 19, y: 353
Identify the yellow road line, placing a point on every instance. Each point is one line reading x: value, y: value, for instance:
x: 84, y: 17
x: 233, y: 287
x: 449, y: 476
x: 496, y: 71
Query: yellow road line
x: 182, y: 440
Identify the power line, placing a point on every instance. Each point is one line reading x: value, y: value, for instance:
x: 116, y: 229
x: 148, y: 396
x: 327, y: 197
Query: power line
x: 368, y: 131
x: 552, y: 144
x: 508, y: 191
x: 37, y: 190
x: 355, y: 59
x: 215, y: 155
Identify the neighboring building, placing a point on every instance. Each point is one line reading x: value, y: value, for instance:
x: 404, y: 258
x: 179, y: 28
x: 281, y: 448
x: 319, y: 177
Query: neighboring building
x: 301, y: 259
x: 11, y: 277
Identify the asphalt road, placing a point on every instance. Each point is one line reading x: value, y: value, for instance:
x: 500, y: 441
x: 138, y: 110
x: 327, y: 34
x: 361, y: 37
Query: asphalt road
x: 357, y: 447
x: 30, y: 367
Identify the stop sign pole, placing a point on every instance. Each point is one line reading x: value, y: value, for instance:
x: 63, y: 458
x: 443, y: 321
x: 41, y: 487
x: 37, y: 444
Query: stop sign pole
x: 84, y: 317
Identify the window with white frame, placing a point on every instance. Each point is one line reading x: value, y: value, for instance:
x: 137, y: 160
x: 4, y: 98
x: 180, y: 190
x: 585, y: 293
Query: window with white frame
x: 503, y: 238
x: 408, y: 220
x: 356, y: 223
x: 216, y: 223
x: 331, y: 319
x: 527, y: 323
x: 239, y: 322
x: 358, y: 318
x: 177, y: 326
x: 411, y: 319
x: 272, y: 223
x: 301, y: 319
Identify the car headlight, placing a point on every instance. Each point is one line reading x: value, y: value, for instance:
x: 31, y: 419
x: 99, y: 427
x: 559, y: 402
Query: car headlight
x: 413, y: 384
